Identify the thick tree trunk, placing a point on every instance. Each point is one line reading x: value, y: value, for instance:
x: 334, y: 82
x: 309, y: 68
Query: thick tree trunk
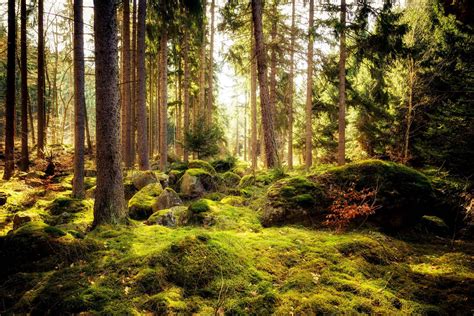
x: 79, y: 102
x: 210, y: 99
x: 253, y: 102
x: 164, y: 99
x: 186, y: 91
x: 126, y: 98
x: 25, y: 159
x: 142, y: 140
x: 292, y: 85
x: 267, y: 116
x: 309, y: 91
x: 11, y: 94
x: 341, y: 150
x: 41, y: 108
x: 109, y: 204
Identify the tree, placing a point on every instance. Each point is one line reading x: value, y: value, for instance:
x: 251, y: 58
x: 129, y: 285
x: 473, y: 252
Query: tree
x: 126, y: 97
x: 210, y: 99
x: 10, y: 97
x: 79, y: 102
x: 41, y: 84
x: 292, y: 86
x: 267, y: 117
x: 341, y: 151
x: 186, y: 91
x: 164, y: 98
x: 142, y: 135
x: 309, y: 90
x: 109, y: 204
x: 253, y: 101
x: 25, y: 159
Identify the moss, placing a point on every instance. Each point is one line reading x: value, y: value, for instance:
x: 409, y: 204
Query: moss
x: 230, y: 179
x: 140, y: 205
x: 201, y: 164
x: 214, y: 196
x: 151, y: 281
x: 224, y: 165
x: 196, y: 172
x: 68, y: 204
x: 247, y: 180
x: 199, y: 206
x: 168, y: 302
x: 234, y: 200
x: 179, y: 166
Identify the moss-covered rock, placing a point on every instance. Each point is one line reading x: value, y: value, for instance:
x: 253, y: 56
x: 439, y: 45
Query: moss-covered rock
x: 230, y: 179
x: 140, y: 179
x: 247, y: 181
x: 69, y: 205
x: 234, y: 200
x: 224, y: 165
x: 140, y: 206
x: 172, y: 217
x: 196, y: 182
x: 167, y: 199
x: 295, y: 200
x: 201, y: 164
x: 403, y: 194
x: 168, y: 302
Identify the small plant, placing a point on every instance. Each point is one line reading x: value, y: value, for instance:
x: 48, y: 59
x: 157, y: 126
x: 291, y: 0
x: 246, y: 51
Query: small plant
x: 349, y: 205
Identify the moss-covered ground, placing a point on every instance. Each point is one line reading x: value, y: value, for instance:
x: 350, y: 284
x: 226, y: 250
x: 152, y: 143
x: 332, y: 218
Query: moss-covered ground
x: 232, y: 266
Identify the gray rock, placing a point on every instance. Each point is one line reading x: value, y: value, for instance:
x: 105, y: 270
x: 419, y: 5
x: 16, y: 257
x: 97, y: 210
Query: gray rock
x: 167, y: 199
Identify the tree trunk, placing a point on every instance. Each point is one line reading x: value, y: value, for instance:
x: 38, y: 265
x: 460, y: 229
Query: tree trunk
x: 10, y: 95
x: 267, y: 117
x: 202, y: 70
x: 210, y: 99
x: 164, y: 99
x: 109, y: 204
x: 41, y: 108
x: 186, y: 90
x: 253, y: 102
x: 341, y: 150
x: 142, y: 141
x: 273, y: 61
x: 132, y: 109
x: 309, y: 91
x: 409, y: 117
x: 25, y: 160
x: 126, y: 98
x: 79, y: 102
x: 292, y: 86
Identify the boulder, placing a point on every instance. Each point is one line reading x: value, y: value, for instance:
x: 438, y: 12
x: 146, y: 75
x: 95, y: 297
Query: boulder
x: 21, y: 219
x: 230, y: 179
x: 201, y: 164
x: 142, y: 178
x: 140, y: 206
x: 167, y: 199
x: 196, y: 182
x: 67, y: 204
x: 3, y: 198
x: 171, y: 217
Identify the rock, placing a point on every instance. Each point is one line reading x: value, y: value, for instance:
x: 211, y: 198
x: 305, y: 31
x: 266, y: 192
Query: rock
x: 70, y: 205
x: 21, y: 219
x: 224, y: 165
x: 140, y: 206
x: 234, y: 200
x: 174, y: 176
x: 196, y: 182
x: 201, y: 164
x: 163, y: 178
x: 167, y: 199
x: 230, y: 179
x: 172, y: 217
x: 3, y: 198
x: 142, y: 178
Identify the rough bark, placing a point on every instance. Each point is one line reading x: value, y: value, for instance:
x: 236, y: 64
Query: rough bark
x: 253, y: 103
x: 132, y: 109
x: 79, y: 102
x: 271, y: 156
x: 25, y: 160
x: 142, y: 136
x: 210, y: 99
x: 309, y: 91
x: 164, y: 101
x: 341, y: 150
x: 202, y: 69
x: 109, y: 204
x: 126, y: 97
x: 41, y: 108
x: 186, y: 90
x: 10, y: 95
x: 292, y: 86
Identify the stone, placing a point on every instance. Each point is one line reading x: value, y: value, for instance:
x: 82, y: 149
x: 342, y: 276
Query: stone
x: 140, y: 205
x: 172, y: 217
x: 196, y: 182
x: 167, y: 199
x: 143, y: 178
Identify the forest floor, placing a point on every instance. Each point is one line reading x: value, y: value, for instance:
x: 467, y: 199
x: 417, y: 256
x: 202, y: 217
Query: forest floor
x: 52, y: 265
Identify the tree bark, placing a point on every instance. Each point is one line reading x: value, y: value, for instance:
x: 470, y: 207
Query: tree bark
x: 292, y: 85
x: 309, y: 91
x: 210, y: 99
x: 41, y: 108
x: 341, y: 150
x: 164, y: 99
x: 126, y: 98
x: 267, y: 117
x: 78, y: 190
x: 132, y: 109
x: 186, y: 91
x: 10, y: 95
x: 142, y: 136
x: 202, y: 70
x: 25, y: 159
x: 253, y: 102
x: 109, y: 204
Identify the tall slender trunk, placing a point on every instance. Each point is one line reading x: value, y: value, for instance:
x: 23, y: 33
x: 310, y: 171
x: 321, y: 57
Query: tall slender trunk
x: 109, y: 204
x: 164, y: 99
x: 158, y: 100
x: 132, y: 109
x: 292, y: 85
x: 341, y: 150
x: 142, y: 141
x: 186, y: 90
x: 409, y: 117
x: 267, y: 117
x: 126, y: 98
x: 79, y: 102
x: 253, y: 102
x: 309, y: 90
x: 11, y: 94
x: 30, y: 115
x: 210, y: 99
x: 88, y: 134
x: 202, y: 69
x: 41, y: 108
x: 25, y: 160
x: 273, y: 61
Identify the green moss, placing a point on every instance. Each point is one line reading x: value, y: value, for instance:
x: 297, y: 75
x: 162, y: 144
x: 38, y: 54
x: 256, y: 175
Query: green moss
x: 68, y: 204
x: 230, y: 179
x: 199, y: 206
x: 196, y: 172
x: 201, y: 164
x: 214, y: 196
x: 247, y: 180
x: 169, y: 302
x: 224, y: 165
x: 179, y: 166
x: 234, y: 200
x: 140, y: 205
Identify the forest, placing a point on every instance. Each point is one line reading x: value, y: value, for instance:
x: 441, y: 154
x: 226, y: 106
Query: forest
x: 233, y: 157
